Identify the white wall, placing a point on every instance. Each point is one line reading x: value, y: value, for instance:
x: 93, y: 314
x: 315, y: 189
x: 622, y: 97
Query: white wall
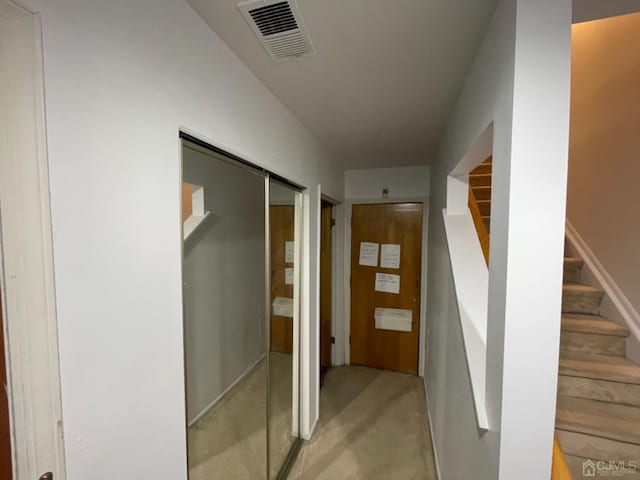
x: 224, y: 281
x: 402, y: 182
x: 604, y: 169
x: 121, y: 78
x: 529, y: 112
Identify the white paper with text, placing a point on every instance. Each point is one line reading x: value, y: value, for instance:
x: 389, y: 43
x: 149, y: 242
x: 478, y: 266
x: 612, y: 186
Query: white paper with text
x: 390, y: 256
x: 387, y: 282
x: 369, y: 254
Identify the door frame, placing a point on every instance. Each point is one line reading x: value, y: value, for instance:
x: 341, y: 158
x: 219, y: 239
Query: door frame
x: 337, y: 292
x: 336, y: 233
x: 345, y: 331
x: 27, y: 267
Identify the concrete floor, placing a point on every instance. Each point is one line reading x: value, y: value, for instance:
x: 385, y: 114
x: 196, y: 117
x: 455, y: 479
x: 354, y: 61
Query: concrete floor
x: 373, y: 425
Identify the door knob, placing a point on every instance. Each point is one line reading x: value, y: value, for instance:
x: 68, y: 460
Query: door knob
x: 46, y: 476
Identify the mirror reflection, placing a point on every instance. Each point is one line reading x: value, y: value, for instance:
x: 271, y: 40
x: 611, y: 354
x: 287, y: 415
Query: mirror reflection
x: 224, y: 263
x: 283, y: 324
x: 241, y: 303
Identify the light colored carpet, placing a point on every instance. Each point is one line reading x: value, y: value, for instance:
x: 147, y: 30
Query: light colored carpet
x: 230, y: 442
x: 373, y: 425
x: 280, y: 411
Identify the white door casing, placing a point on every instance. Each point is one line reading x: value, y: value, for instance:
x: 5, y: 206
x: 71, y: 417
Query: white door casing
x: 27, y: 274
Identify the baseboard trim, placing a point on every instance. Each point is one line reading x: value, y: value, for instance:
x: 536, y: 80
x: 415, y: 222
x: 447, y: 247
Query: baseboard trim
x: 311, y: 430
x: 433, y: 443
x: 215, y: 401
x: 624, y: 307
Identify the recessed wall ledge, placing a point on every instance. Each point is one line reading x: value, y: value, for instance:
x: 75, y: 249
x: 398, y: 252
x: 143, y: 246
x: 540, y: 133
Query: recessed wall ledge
x: 471, y: 283
x: 198, y: 213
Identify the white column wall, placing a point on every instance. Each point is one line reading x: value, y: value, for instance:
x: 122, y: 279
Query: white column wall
x: 520, y: 83
x: 526, y: 276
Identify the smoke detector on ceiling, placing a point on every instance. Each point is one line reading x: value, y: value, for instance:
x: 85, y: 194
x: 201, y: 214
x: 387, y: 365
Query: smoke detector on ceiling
x: 279, y: 27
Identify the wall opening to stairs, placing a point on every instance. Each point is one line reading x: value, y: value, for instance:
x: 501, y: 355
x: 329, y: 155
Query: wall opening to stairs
x: 598, y: 404
x: 469, y: 264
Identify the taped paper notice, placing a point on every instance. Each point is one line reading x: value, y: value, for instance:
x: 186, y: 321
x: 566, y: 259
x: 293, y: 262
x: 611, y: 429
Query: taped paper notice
x: 288, y: 276
x: 386, y: 282
x: 390, y: 256
x: 289, y: 252
x: 369, y: 254
x: 283, y: 307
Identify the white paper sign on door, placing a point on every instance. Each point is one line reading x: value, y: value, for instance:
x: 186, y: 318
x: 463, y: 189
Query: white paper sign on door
x: 369, y: 254
x: 390, y: 256
x: 386, y: 282
x: 288, y: 276
x: 288, y: 256
x: 283, y: 307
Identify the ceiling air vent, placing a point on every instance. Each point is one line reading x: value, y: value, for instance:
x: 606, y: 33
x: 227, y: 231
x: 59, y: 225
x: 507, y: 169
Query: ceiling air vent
x: 279, y: 27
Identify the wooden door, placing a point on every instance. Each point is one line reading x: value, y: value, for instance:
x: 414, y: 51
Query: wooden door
x: 325, y: 289
x: 281, y: 220
x: 5, y: 429
x: 396, y: 224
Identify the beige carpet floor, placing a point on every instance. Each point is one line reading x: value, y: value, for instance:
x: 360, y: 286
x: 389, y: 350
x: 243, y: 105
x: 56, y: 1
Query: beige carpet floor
x: 229, y: 442
x: 373, y: 425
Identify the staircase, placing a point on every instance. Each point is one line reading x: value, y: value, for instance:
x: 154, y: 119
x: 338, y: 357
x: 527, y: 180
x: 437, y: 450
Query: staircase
x: 598, y: 404
x: 480, y: 202
x: 598, y: 409
x: 480, y: 185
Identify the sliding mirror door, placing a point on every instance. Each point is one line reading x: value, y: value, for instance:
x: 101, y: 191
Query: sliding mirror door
x: 283, y: 345
x: 224, y: 285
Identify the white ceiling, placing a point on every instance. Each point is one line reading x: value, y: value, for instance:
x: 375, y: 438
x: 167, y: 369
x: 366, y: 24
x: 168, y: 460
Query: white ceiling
x: 384, y: 77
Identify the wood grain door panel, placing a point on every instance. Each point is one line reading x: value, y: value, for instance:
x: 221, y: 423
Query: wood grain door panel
x: 396, y: 223
x: 5, y: 426
x: 282, y: 221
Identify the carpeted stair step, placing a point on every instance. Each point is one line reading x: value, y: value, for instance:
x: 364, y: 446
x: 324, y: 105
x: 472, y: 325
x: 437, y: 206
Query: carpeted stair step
x: 582, y: 468
x: 572, y: 268
x: 593, y: 334
x: 603, y: 367
x: 578, y: 298
x: 599, y: 377
x: 596, y: 448
x: 574, y: 322
x: 611, y: 421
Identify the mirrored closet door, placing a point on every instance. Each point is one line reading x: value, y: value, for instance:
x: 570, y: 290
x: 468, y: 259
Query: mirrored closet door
x: 283, y: 326
x: 240, y: 306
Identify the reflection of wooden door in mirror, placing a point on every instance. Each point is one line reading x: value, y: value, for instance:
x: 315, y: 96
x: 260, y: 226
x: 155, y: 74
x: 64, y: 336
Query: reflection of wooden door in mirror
x: 282, y: 220
x: 325, y: 289
x: 395, y: 224
x: 5, y: 429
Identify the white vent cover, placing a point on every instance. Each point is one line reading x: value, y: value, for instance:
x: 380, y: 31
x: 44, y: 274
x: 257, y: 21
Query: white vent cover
x: 279, y: 27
